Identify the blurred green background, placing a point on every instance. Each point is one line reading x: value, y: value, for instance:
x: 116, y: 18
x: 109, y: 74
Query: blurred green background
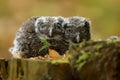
x: 104, y: 14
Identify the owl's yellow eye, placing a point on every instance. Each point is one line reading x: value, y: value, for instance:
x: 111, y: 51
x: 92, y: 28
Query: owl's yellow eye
x: 69, y: 30
x: 83, y: 30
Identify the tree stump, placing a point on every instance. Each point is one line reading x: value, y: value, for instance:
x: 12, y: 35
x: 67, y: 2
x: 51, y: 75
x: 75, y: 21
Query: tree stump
x: 96, y: 60
x: 21, y: 69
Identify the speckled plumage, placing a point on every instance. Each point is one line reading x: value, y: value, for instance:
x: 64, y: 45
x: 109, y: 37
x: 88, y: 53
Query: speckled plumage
x: 77, y: 29
x: 27, y: 40
x: 58, y: 31
x: 54, y: 33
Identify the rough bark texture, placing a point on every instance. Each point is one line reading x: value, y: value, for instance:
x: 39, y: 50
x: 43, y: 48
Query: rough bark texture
x: 18, y: 69
x: 89, y: 61
x: 96, y: 60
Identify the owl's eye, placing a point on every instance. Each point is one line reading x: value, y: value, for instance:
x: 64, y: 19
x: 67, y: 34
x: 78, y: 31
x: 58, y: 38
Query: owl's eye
x: 83, y: 30
x: 69, y: 30
x: 58, y: 25
x: 43, y: 26
x: 39, y: 23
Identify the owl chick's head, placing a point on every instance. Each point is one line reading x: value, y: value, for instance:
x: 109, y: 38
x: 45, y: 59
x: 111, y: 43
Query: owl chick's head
x: 77, y: 29
x: 49, y: 27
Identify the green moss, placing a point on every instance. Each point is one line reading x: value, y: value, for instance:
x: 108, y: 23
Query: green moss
x: 112, y: 41
x: 98, y: 47
x: 59, y: 61
x: 82, y: 44
x: 96, y: 53
x: 82, y: 60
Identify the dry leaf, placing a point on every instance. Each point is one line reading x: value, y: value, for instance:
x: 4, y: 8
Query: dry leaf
x: 54, y: 54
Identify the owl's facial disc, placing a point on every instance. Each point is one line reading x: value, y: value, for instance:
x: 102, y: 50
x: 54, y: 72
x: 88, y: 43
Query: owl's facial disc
x: 76, y: 34
x: 77, y: 29
x: 48, y: 27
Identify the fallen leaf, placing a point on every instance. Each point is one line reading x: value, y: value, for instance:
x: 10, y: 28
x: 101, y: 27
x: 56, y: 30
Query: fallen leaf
x: 54, y: 54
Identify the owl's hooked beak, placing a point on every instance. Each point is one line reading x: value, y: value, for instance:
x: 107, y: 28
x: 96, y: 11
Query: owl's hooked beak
x: 78, y: 38
x: 50, y: 31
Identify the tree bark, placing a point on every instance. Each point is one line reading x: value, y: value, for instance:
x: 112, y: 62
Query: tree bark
x: 21, y: 69
x: 96, y: 60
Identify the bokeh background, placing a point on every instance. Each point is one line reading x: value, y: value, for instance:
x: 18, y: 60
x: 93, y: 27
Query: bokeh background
x: 104, y: 14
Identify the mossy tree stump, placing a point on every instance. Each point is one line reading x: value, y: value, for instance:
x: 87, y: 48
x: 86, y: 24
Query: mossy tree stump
x: 94, y: 60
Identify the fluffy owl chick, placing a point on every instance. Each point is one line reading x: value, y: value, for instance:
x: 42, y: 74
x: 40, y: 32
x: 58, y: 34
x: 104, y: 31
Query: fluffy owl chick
x: 27, y: 42
x: 51, y: 28
x: 77, y: 29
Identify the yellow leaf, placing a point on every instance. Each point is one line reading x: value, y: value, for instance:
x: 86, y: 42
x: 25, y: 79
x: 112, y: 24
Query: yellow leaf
x: 54, y: 54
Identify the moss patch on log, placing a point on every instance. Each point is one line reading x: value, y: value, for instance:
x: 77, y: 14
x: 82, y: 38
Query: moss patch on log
x: 98, y: 60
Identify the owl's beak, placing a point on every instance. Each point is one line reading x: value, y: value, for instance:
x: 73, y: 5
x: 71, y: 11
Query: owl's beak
x: 78, y: 38
x: 50, y: 31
